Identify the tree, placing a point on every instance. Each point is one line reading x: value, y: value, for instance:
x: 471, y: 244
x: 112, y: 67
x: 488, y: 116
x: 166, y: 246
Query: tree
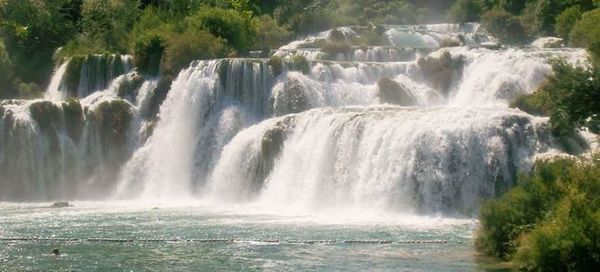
x: 566, y: 21
x: 586, y: 33
x: 465, y: 11
x: 573, y: 97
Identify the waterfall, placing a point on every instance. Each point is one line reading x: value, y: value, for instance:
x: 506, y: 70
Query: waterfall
x: 440, y: 159
x: 403, y: 124
x: 73, y: 146
x: 81, y: 76
x: 57, y: 150
x: 57, y: 90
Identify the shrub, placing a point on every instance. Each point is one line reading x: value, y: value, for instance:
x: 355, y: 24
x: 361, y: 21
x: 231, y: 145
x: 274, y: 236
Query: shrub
x: 269, y: 34
x: 29, y: 90
x: 504, y: 26
x: 147, y: 53
x: 299, y: 63
x: 228, y: 24
x: 505, y: 219
x: 566, y: 21
x: 550, y: 221
x: 572, y: 96
x: 191, y: 45
x: 532, y: 104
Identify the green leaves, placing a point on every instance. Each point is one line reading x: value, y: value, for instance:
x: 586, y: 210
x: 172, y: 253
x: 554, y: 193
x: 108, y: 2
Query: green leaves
x: 550, y: 220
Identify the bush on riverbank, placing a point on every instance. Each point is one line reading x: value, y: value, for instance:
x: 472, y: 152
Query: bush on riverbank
x: 550, y: 221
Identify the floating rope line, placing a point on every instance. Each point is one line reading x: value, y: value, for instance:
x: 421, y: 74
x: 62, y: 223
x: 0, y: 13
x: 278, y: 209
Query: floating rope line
x: 267, y: 241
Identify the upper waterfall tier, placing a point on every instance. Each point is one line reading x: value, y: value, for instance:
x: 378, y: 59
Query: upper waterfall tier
x: 388, y: 43
x: 81, y: 76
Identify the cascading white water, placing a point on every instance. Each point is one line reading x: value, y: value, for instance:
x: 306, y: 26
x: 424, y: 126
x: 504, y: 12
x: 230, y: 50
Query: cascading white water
x: 458, y: 145
x: 56, y: 90
x: 318, y: 138
x: 405, y: 159
x: 81, y: 76
x: 62, y: 149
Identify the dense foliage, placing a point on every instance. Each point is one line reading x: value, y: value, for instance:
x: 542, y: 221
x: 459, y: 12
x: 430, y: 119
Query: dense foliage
x: 550, y: 221
x: 165, y: 35
x: 571, y: 97
x: 517, y: 21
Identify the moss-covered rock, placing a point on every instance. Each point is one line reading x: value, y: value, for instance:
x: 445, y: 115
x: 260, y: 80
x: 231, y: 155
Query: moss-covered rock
x: 392, y: 92
x: 159, y: 94
x: 299, y: 63
x: 130, y: 86
x: 73, y: 116
x: 223, y: 70
x: 440, y: 72
x: 333, y: 49
x: 113, y: 119
x: 532, y: 104
x: 271, y: 146
x: 46, y: 114
x: 276, y: 64
x: 292, y: 98
x: 73, y: 75
x: 48, y: 117
x: 449, y: 42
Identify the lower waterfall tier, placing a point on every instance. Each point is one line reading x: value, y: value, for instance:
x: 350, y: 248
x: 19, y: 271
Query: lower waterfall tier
x: 433, y: 159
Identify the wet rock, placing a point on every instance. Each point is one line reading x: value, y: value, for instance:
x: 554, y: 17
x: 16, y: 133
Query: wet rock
x: 441, y: 72
x: 392, y: 92
x: 129, y: 87
x: 292, y: 98
x: 299, y: 63
x: 548, y: 42
x: 73, y: 116
x: 60, y: 204
x: 491, y: 45
x: 276, y: 64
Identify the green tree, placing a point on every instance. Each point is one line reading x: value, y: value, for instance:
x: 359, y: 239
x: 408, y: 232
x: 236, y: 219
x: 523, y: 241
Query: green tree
x: 6, y: 74
x: 231, y: 25
x: 573, y: 97
x: 269, y: 34
x: 106, y: 23
x: 32, y: 30
x: 586, y: 33
x: 465, y: 11
x: 566, y: 21
x: 504, y: 26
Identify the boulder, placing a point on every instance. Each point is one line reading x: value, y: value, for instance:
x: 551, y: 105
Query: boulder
x: 60, y: 204
x: 392, y: 92
x: 548, y: 42
x: 440, y: 72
